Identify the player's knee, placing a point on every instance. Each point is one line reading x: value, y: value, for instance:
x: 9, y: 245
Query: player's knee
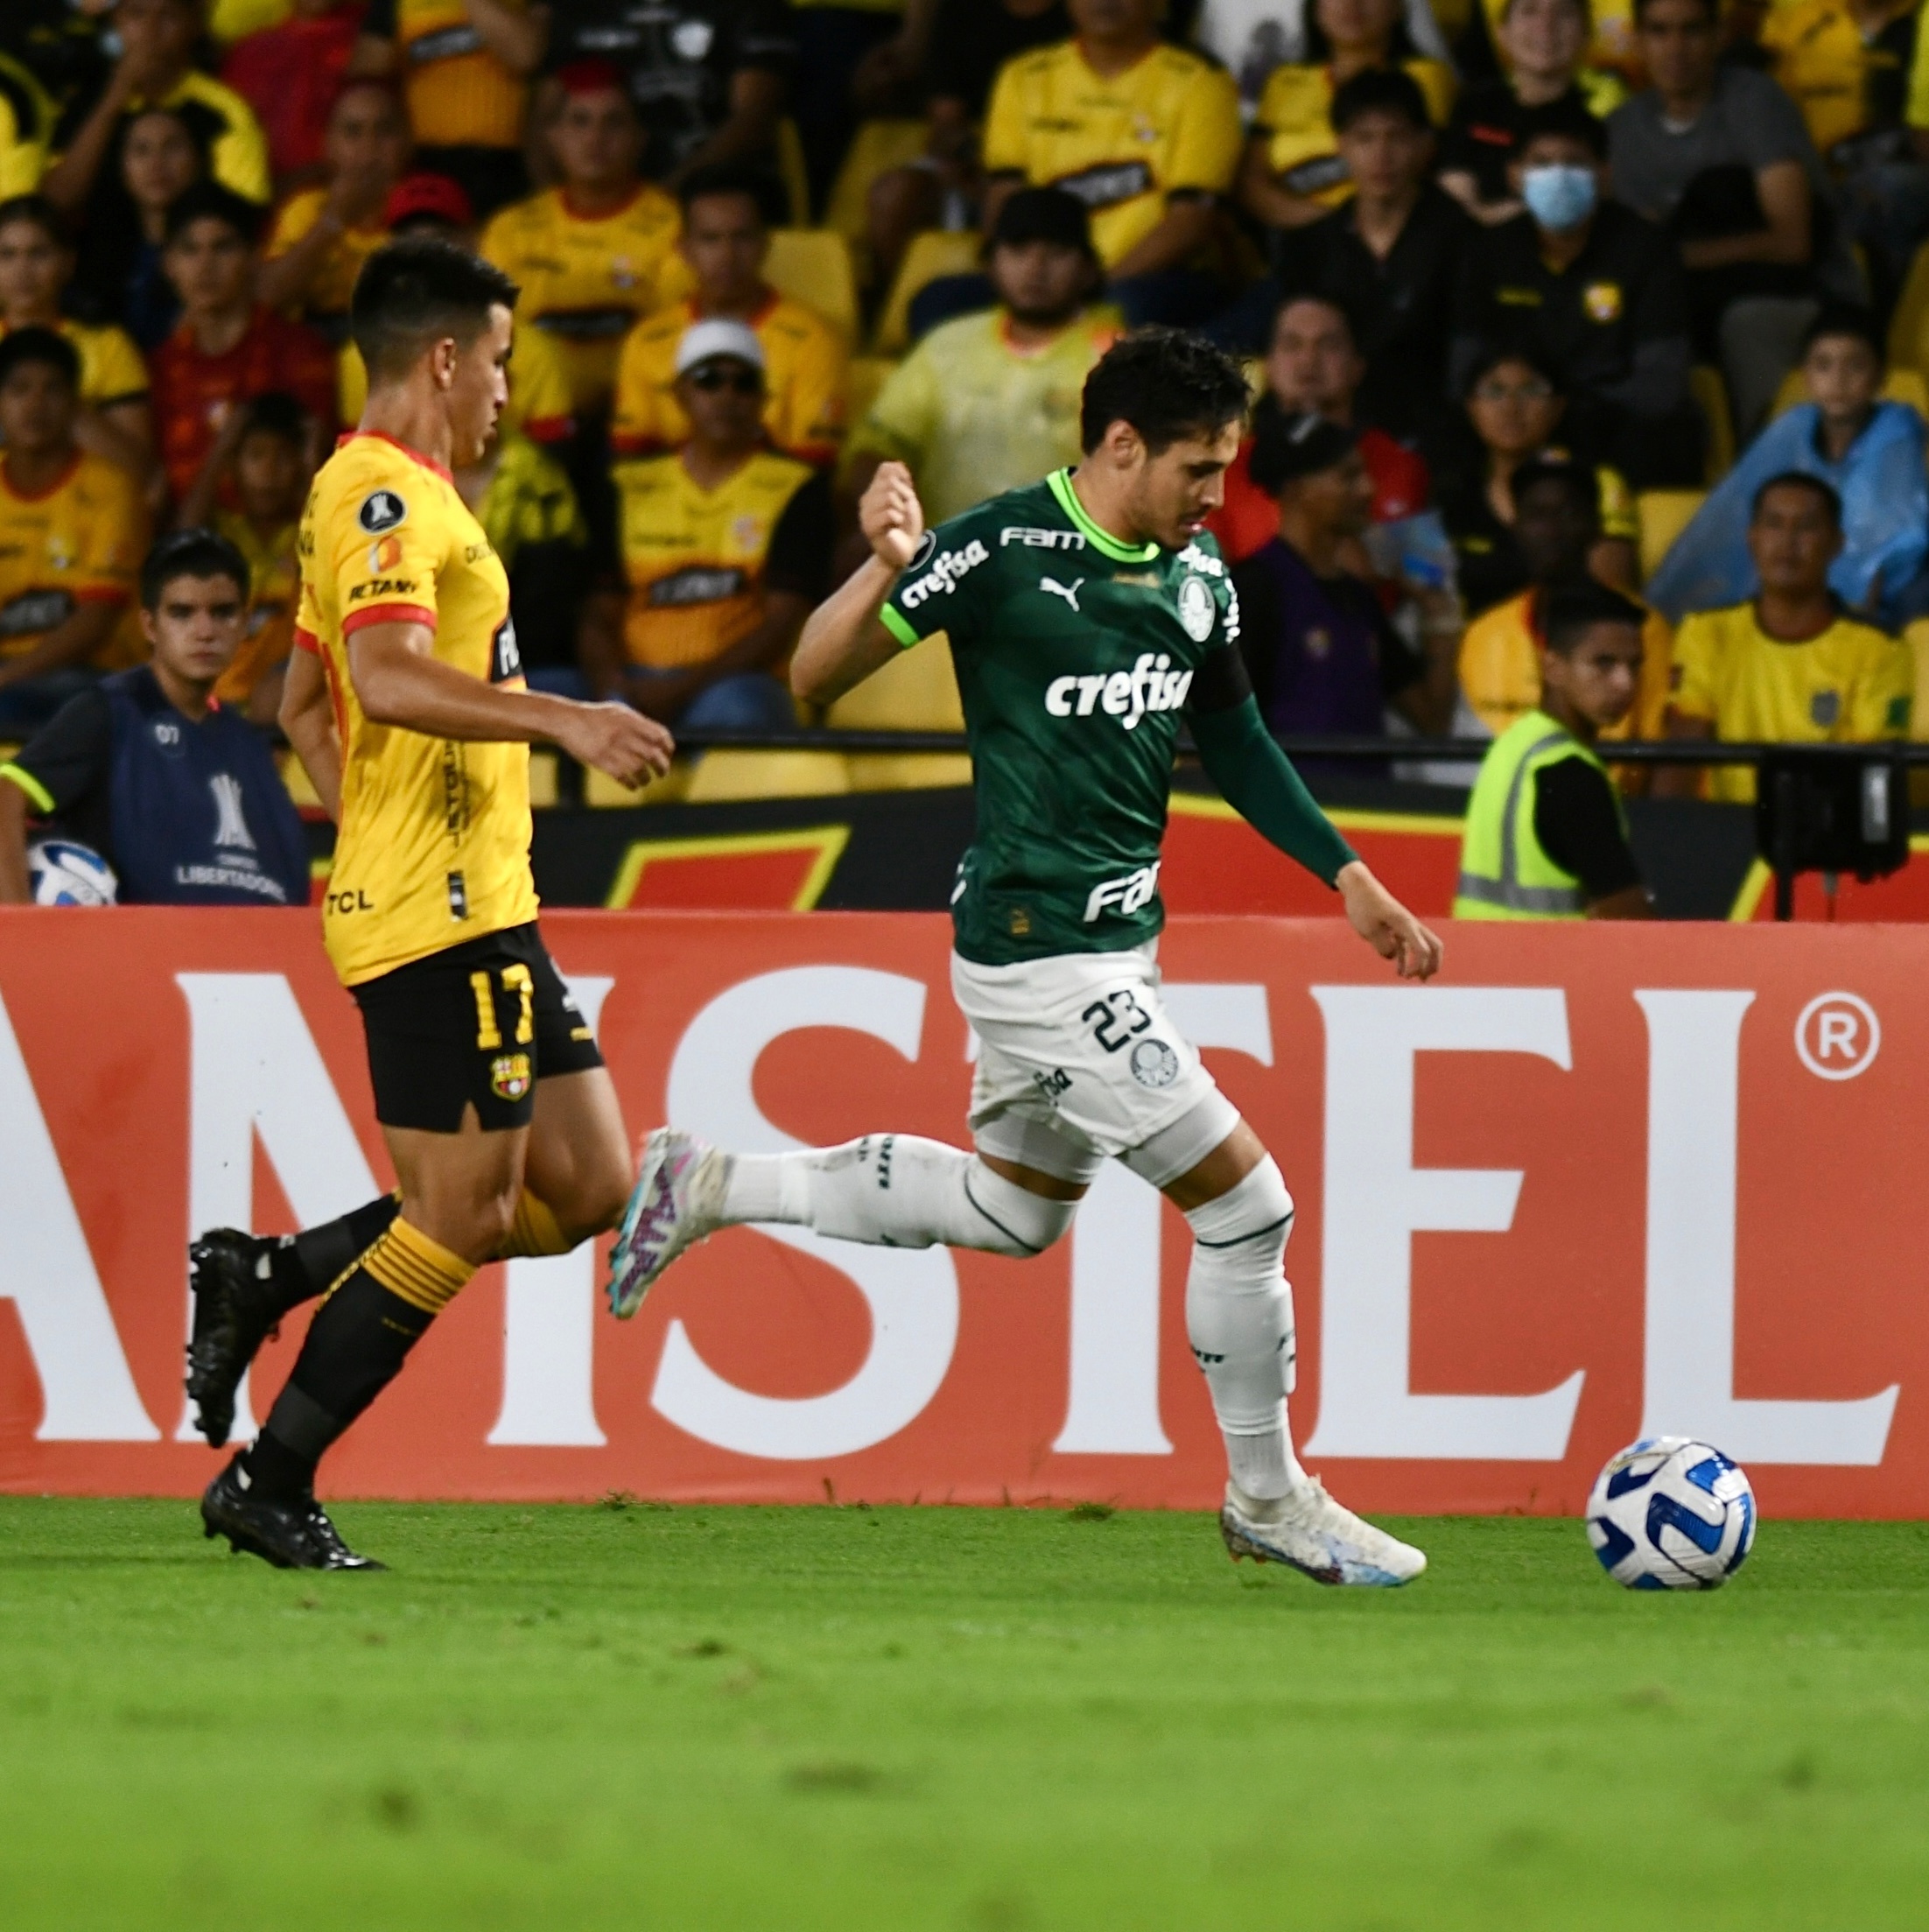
x: 1023, y: 1223
x: 1256, y: 1214
x: 477, y: 1227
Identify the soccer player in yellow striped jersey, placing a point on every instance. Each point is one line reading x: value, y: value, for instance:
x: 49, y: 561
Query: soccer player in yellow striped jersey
x: 1791, y: 666
x: 406, y: 704
x: 588, y: 253
x: 1145, y: 134
x: 725, y: 242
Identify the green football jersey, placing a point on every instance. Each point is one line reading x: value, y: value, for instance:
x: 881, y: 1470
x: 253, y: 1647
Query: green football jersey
x: 1074, y: 656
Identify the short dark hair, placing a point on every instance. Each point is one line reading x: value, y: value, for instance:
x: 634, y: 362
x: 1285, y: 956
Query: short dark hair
x: 43, y: 346
x: 415, y: 292
x: 1166, y: 382
x: 210, y: 202
x: 41, y: 212
x: 1527, y: 354
x: 1569, y: 119
x: 1379, y: 90
x: 1320, y: 299
x: 1569, y: 613
x: 190, y: 553
x: 1563, y: 472
x: 1836, y: 318
x: 276, y: 413
x: 757, y: 185
x: 1711, y: 10
x: 1789, y: 479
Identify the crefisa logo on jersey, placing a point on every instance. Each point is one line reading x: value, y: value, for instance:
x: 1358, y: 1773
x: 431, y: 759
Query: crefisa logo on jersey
x: 382, y: 510
x: 941, y: 580
x: 1151, y: 685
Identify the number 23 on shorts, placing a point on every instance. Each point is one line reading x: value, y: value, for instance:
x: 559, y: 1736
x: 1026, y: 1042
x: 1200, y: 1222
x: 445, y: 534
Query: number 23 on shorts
x: 1110, y: 1014
x: 516, y: 979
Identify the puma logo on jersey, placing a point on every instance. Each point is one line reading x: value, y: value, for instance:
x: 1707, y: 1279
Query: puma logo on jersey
x: 1068, y: 592
x: 1126, y: 695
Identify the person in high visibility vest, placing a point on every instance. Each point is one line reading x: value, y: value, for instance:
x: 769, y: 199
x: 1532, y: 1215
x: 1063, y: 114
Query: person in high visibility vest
x: 1546, y: 836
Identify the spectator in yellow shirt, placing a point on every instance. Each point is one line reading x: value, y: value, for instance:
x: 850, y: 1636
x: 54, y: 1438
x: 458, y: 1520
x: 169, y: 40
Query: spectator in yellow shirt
x: 26, y: 122
x: 1791, y: 666
x: 1557, y: 526
x: 324, y: 234
x: 587, y: 254
x: 724, y: 242
x: 726, y: 547
x: 991, y: 401
x: 465, y: 68
x: 72, y: 532
x: 1144, y: 134
x: 36, y: 264
x: 1293, y: 172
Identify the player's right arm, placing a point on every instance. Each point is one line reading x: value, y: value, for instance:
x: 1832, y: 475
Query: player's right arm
x: 844, y: 640
x: 399, y: 680
x: 307, y: 721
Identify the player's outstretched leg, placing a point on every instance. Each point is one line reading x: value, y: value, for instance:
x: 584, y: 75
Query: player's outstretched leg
x: 887, y: 1189
x: 1239, y: 1320
x: 243, y: 1284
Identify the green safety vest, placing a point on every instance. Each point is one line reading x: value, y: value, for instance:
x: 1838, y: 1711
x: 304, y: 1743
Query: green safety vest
x: 1505, y: 873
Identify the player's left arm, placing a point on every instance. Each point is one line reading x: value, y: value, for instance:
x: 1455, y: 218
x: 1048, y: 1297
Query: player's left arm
x: 1258, y: 781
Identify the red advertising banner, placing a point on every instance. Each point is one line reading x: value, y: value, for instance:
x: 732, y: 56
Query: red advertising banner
x: 1595, y: 1182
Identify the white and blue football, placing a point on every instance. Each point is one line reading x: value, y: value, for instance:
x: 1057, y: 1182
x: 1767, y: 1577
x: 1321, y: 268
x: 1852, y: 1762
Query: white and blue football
x: 64, y: 873
x: 1671, y: 1513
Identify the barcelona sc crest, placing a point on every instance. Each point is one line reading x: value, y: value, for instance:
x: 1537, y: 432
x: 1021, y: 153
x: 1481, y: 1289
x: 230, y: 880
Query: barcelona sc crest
x: 509, y: 1076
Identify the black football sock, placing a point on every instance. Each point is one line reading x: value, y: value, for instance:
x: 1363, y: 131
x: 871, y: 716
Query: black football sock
x: 355, y: 1346
x: 308, y: 1264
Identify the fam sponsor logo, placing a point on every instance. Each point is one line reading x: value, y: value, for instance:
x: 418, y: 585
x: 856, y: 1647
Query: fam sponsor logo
x: 1040, y: 539
x: 1130, y: 893
x: 941, y: 580
x: 1151, y: 685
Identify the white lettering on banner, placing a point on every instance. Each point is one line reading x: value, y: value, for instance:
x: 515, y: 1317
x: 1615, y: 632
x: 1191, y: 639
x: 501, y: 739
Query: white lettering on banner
x: 1694, y: 1065
x: 1113, y: 1404
x: 912, y: 1292
x: 549, y: 1322
x: 256, y: 1071
x: 1377, y: 1200
x: 86, y: 1388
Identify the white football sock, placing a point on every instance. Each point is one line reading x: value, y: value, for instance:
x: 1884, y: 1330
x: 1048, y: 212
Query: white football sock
x: 1239, y: 1320
x: 894, y: 1191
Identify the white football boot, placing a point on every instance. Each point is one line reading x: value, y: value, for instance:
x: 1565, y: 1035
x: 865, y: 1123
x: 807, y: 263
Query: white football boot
x: 1323, y: 1538
x: 676, y: 1202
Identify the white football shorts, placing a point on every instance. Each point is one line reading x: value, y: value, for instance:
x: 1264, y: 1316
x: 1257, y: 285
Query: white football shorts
x: 1078, y: 1061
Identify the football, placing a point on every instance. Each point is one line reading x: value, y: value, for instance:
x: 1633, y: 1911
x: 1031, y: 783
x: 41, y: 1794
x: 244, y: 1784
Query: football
x: 66, y: 873
x: 1671, y: 1513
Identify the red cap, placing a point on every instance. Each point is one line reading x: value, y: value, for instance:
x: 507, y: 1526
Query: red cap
x: 594, y: 75
x: 431, y: 194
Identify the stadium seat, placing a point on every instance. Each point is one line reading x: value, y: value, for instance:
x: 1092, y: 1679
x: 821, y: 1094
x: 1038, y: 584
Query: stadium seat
x: 602, y: 791
x: 1902, y: 385
x: 813, y: 266
x: 1710, y: 394
x: 722, y: 776
x: 935, y: 252
x: 1909, y: 326
x: 878, y: 147
x: 868, y: 375
x: 917, y: 690
x: 1663, y: 514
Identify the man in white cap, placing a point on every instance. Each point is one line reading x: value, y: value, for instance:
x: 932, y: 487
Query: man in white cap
x: 726, y: 548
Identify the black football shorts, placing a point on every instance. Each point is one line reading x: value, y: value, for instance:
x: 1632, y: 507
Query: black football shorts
x: 477, y: 1024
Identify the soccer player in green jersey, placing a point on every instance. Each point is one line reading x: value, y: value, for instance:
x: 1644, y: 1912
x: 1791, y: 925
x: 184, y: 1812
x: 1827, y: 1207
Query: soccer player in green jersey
x: 1088, y: 614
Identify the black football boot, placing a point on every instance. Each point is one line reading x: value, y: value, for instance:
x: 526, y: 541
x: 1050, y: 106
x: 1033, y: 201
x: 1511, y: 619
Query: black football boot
x: 291, y: 1532
x: 237, y: 1303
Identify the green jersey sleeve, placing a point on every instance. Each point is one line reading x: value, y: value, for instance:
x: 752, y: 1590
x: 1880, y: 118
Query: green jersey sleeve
x: 947, y: 585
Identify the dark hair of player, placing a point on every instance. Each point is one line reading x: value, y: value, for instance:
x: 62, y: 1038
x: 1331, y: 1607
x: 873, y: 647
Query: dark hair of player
x: 757, y: 186
x: 1836, y: 319
x: 414, y: 293
x: 1551, y: 468
x: 45, y: 346
x: 1571, y: 612
x: 1789, y: 479
x: 190, y: 553
x: 1379, y: 90
x: 1167, y: 384
x: 276, y: 413
x: 210, y: 202
x: 40, y: 212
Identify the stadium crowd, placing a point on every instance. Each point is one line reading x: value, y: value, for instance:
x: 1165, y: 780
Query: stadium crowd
x: 1533, y: 296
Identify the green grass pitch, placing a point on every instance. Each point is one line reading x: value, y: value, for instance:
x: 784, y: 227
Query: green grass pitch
x: 638, y: 1717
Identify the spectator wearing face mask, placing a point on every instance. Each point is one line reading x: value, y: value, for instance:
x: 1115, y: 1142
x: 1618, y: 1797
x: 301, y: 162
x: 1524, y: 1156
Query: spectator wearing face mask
x: 1594, y: 292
